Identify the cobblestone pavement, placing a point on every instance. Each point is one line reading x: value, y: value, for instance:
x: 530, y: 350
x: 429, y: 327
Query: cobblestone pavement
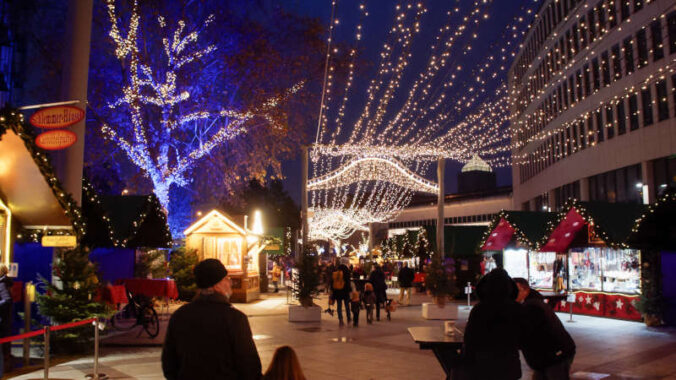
x: 607, y: 349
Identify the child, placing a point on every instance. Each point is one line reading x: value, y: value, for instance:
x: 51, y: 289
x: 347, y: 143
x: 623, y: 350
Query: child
x: 355, y: 305
x: 284, y: 366
x: 369, y: 301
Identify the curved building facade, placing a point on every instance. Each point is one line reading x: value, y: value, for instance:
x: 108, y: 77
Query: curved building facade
x: 593, y: 103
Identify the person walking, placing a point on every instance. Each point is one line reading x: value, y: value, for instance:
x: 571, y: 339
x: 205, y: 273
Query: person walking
x: 546, y: 345
x: 208, y: 338
x: 5, y: 315
x: 340, y: 291
x: 276, y: 274
x: 377, y: 278
x: 405, y: 278
x: 491, y: 342
x: 369, y: 301
x: 355, y: 305
x: 284, y: 366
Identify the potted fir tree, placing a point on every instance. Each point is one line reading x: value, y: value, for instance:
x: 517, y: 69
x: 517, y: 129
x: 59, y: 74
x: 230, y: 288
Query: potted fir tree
x: 651, y: 302
x: 305, y: 283
x: 440, y: 284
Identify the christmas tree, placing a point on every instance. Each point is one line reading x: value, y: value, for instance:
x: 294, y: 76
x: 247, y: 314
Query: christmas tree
x: 182, y: 263
x: 422, y: 247
x: 307, y: 279
x: 440, y: 279
x: 72, y: 297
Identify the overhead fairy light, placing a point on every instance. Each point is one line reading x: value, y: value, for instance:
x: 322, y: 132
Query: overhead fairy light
x: 365, y: 170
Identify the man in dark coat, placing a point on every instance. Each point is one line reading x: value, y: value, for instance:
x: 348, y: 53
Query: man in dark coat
x: 491, y: 342
x: 377, y: 278
x: 208, y: 338
x: 546, y: 345
x: 406, y: 277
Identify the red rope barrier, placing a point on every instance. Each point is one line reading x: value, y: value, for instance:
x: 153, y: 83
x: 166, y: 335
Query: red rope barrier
x: 42, y: 331
x: 22, y: 336
x: 71, y: 324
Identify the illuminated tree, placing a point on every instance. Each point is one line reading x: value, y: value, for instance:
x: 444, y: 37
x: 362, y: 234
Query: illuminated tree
x: 164, y: 124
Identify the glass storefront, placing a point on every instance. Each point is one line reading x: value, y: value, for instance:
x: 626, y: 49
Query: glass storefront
x: 605, y: 269
x: 541, y: 265
x: 515, y: 262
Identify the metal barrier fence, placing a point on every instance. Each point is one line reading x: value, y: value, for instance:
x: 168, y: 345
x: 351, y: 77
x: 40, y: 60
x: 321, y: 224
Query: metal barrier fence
x: 45, y: 331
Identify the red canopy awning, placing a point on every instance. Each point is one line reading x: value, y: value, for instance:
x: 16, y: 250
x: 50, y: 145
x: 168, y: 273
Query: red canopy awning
x: 560, y: 239
x: 499, y: 237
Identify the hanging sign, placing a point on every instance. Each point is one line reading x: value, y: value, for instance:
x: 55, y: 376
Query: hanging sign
x: 56, y: 140
x: 57, y: 117
x: 66, y: 241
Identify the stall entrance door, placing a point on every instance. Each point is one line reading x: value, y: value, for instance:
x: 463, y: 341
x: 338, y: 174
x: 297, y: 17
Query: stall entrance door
x: 669, y: 287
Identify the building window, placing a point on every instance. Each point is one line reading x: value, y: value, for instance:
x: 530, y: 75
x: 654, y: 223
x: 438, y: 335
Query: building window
x: 656, y: 37
x: 617, y: 62
x: 673, y: 91
x: 574, y: 141
x: 595, y: 74
x: 571, y: 89
x: 583, y: 32
x: 601, y: 15
x: 621, y: 122
x: 624, y: 9
x: 587, y: 82
x: 664, y: 173
x: 628, y: 55
x: 576, y: 39
x: 592, y: 25
x: 610, y: 126
x: 633, y: 112
x: 599, y: 126
x: 662, y: 100
x: 612, y: 13
x: 642, y: 46
x: 590, y: 130
x: 583, y: 137
x: 578, y: 76
x: 671, y: 25
x: 647, y: 103
x: 638, y: 4
x: 605, y: 67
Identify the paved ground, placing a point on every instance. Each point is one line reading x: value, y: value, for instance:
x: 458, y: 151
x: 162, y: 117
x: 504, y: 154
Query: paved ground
x: 607, y: 349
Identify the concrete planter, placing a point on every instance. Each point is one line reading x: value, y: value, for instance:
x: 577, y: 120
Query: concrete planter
x: 433, y: 311
x: 463, y: 312
x: 299, y: 313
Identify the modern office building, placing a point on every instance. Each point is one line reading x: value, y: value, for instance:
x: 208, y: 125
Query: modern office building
x: 593, y: 94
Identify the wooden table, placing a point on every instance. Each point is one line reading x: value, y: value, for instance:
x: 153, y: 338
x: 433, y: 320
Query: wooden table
x: 446, y: 348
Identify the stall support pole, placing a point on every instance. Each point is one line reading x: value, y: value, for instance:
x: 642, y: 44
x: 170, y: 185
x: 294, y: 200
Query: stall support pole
x: 441, y: 163
x: 571, y: 313
x: 26, y: 325
x: 304, y: 201
x: 46, y: 376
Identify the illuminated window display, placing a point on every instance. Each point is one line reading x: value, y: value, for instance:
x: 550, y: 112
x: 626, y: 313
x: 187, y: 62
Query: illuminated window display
x: 515, y: 262
x: 585, y: 269
x: 542, y: 269
x: 621, y: 270
x: 227, y: 250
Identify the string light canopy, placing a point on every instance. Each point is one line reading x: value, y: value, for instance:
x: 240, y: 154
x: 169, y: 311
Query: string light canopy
x: 376, y: 159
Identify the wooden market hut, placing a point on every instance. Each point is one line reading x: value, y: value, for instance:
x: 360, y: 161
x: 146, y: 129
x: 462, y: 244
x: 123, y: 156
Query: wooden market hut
x: 218, y: 236
x: 603, y: 269
x: 119, y: 228
x: 511, y: 242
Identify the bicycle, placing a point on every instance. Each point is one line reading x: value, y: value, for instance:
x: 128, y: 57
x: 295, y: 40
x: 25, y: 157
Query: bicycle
x: 139, y: 311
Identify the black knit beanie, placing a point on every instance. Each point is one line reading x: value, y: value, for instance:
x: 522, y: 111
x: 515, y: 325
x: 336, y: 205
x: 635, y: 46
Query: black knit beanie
x: 209, y: 272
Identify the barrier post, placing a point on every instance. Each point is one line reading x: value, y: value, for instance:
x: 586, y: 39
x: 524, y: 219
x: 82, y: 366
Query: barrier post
x: 27, y: 323
x: 46, y: 377
x: 96, y: 348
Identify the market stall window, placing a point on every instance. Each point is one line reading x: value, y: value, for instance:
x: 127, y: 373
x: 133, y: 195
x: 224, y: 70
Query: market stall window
x: 542, y: 269
x: 227, y: 250
x: 621, y: 270
x: 515, y: 262
x: 585, y: 269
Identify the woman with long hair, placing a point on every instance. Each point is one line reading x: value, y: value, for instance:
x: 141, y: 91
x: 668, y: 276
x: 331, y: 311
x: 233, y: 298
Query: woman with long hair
x: 284, y: 366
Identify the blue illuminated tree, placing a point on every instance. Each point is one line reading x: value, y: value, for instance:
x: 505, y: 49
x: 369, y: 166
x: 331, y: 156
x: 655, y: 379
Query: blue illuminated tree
x: 164, y: 123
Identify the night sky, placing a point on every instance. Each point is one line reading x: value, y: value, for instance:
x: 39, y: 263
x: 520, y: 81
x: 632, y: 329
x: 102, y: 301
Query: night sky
x: 375, y: 27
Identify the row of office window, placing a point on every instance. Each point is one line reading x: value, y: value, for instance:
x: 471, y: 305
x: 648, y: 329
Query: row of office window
x: 591, y: 25
x: 601, y: 71
x: 640, y: 109
x: 479, y: 218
